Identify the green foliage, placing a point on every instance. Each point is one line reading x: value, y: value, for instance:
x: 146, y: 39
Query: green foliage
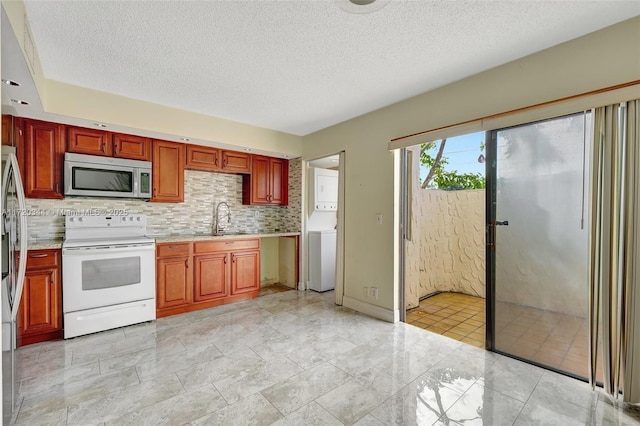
x: 440, y: 178
x: 453, y: 181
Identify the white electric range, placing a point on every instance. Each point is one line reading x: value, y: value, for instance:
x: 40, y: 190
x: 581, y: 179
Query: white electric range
x: 108, y: 273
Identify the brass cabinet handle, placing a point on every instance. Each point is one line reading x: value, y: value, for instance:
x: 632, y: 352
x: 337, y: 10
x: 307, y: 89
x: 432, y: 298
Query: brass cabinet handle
x: 38, y: 255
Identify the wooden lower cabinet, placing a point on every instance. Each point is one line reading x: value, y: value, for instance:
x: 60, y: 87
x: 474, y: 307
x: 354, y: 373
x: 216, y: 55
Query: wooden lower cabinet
x: 173, y: 282
x: 40, y: 313
x: 245, y: 271
x: 211, y: 276
x: 213, y: 273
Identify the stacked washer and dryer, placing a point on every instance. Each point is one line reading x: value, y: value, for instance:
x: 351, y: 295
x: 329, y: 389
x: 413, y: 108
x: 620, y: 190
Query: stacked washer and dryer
x: 323, y: 206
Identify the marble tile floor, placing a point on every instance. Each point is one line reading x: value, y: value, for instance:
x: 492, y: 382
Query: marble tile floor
x: 292, y: 358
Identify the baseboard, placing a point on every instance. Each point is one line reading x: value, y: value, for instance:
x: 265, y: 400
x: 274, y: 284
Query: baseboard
x: 384, y: 314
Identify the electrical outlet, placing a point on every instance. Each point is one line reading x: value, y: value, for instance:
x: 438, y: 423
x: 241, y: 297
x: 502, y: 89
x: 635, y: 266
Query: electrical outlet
x: 374, y: 293
x: 365, y: 292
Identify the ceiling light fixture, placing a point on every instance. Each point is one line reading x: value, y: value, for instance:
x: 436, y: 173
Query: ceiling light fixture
x: 100, y: 125
x: 10, y: 82
x: 361, y: 6
x: 19, y: 102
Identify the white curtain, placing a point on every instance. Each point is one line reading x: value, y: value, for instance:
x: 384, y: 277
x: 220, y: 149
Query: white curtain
x: 615, y: 251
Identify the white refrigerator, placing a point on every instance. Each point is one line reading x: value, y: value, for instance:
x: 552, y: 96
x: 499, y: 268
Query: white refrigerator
x: 322, y: 260
x: 14, y: 241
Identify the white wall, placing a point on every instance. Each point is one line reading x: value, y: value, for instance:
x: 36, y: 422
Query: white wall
x: 568, y: 69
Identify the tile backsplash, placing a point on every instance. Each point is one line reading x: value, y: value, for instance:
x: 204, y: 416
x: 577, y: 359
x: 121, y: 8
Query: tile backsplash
x: 202, y: 192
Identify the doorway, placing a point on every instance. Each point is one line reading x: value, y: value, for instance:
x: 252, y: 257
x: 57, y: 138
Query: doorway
x: 324, y: 224
x: 444, y: 247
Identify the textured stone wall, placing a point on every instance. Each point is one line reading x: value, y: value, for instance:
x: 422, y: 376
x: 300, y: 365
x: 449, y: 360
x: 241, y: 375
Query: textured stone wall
x: 447, y: 250
x: 202, y: 192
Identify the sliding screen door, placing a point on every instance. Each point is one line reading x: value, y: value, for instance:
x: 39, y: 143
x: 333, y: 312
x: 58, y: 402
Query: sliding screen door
x: 538, y: 242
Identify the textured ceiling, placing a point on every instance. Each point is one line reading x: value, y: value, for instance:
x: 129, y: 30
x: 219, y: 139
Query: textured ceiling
x: 295, y: 66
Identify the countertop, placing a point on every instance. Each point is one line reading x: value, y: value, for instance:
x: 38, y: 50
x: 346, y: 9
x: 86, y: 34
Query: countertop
x: 44, y: 244
x: 176, y: 238
x: 57, y: 243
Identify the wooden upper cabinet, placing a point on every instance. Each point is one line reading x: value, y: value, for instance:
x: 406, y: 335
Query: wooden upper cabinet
x: 279, y: 170
x: 204, y: 158
x: 236, y: 162
x: 44, y: 156
x: 259, y: 188
x: 211, y: 159
x: 82, y: 140
x: 268, y: 182
x: 168, y: 171
x: 7, y: 129
x: 131, y: 147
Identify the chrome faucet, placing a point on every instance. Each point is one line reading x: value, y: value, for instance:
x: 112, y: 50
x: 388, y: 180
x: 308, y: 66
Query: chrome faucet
x: 219, y: 229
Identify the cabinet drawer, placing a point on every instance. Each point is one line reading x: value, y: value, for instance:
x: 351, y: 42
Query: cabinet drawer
x: 42, y: 258
x: 226, y: 245
x: 173, y: 249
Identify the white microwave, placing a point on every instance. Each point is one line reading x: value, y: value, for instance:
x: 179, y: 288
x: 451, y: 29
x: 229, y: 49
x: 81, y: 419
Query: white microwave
x: 95, y: 176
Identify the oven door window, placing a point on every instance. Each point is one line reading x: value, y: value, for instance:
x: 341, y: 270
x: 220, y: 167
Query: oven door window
x: 107, y: 273
x: 85, y: 178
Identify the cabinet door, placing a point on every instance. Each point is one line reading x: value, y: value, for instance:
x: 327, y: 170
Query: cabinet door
x: 40, y: 306
x: 172, y: 282
x: 131, y: 147
x: 44, y: 155
x: 279, y: 181
x: 203, y: 158
x: 211, y: 276
x: 88, y: 141
x: 168, y: 171
x: 7, y: 129
x: 236, y: 162
x: 245, y: 271
x: 260, y: 187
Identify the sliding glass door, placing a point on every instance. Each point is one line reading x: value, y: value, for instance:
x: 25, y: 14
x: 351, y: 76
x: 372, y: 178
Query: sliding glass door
x: 537, y: 240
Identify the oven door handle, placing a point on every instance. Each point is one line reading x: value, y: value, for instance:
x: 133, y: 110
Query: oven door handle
x: 79, y: 251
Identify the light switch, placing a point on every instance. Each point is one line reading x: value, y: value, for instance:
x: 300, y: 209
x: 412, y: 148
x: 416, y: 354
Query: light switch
x: 379, y: 218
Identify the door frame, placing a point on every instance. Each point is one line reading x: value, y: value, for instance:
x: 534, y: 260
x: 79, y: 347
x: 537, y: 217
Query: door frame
x: 340, y: 228
x: 491, y: 149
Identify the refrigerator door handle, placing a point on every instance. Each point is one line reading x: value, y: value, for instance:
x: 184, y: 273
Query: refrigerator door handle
x: 12, y: 167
